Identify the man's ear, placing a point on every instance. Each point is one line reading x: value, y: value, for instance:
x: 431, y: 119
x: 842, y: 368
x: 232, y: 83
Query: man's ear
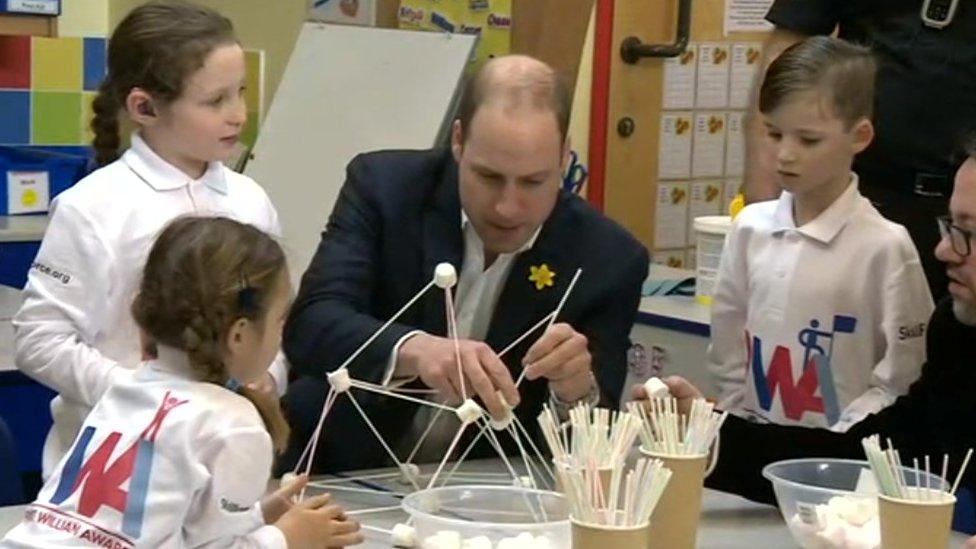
x: 457, y: 140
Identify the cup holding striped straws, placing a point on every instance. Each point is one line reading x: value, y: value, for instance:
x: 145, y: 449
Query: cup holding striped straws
x: 914, y: 510
x: 666, y: 431
x: 682, y: 443
x: 620, y: 517
x: 592, y: 435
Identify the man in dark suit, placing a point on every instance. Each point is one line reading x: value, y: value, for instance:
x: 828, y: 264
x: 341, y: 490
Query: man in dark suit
x: 492, y: 206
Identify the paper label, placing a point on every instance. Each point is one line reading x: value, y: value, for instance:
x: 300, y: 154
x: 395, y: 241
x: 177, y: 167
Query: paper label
x: 679, y: 80
x: 671, y: 216
x: 747, y: 16
x: 669, y: 258
x: 734, y: 143
x: 27, y: 192
x: 674, y: 158
x: 745, y: 65
x: 708, y: 158
x: 713, y: 76
x: 706, y: 199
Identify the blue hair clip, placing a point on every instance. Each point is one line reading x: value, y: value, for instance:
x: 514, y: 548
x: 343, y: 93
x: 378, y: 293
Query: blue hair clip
x: 232, y: 384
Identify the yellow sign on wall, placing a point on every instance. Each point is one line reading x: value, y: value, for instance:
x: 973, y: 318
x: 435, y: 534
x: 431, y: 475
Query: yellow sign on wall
x: 490, y: 19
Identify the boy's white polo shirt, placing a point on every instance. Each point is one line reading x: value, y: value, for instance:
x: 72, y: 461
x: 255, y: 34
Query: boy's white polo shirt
x: 847, y: 287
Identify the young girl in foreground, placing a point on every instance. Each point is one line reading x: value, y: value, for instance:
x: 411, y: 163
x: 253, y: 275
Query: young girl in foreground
x: 171, y: 457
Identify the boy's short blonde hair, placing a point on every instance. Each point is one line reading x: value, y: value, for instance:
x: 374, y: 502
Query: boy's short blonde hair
x: 843, y: 70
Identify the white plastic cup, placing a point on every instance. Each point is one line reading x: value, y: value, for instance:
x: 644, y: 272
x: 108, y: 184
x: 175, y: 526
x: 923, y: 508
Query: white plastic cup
x: 710, y: 233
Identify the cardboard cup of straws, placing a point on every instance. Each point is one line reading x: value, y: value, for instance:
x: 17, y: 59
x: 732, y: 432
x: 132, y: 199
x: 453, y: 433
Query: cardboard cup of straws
x: 602, y: 536
x: 914, y: 505
x: 923, y: 521
x: 674, y: 524
x: 682, y: 443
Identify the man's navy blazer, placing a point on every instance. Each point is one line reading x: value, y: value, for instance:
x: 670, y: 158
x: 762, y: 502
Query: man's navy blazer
x: 397, y: 216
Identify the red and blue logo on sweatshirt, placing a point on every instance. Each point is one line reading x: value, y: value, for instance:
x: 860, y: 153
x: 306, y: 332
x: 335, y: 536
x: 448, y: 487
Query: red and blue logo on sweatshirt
x: 101, y: 482
x: 801, y: 396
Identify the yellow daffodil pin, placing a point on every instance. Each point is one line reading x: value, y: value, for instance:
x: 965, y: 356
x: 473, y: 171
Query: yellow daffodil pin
x: 542, y: 276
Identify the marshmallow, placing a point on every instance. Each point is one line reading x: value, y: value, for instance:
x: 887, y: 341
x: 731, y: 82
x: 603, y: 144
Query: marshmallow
x: 444, y: 539
x: 445, y: 276
x: 502, y: 424
x: 409, y: 472
x: 655, y: 388
x: 288, y: 478
x: 404, y: 536
x: 844, y: 522
x: 479, y: 542
x: 468, y: 411
x: 340, y: 380
x: 524, y: 540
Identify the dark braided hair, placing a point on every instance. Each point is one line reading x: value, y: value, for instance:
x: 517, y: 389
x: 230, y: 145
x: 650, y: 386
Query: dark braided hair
x: 201, y: 276
x: 155, y: 47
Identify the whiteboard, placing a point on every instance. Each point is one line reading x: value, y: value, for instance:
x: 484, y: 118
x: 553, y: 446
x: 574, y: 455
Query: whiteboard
x: 348, y: 90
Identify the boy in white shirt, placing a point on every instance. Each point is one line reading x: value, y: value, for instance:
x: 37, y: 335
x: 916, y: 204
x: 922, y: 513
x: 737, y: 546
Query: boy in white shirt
x: 821, y: 305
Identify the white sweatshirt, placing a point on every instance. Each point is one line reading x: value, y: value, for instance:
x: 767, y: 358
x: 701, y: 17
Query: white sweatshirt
x: 161, y: 461
x: 818, y: 325
x: 74, y: 332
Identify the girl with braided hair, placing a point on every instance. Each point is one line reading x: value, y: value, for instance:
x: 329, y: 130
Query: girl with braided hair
x: 176, y: 74
x: 171, y: 456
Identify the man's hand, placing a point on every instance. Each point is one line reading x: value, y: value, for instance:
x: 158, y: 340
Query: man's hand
x: 561, y: 355
x: 434, y: 360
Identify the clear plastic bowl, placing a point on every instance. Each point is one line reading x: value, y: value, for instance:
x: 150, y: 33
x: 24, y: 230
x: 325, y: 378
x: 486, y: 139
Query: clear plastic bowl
x: 497, y: 512
x: 805, y: 489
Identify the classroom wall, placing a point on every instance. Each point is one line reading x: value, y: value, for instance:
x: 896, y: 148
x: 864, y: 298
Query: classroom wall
x: 269, y: 25
x: 83, y: 18
x: 579, y: 120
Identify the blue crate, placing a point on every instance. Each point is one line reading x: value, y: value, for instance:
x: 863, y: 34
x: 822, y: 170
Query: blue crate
x: 64, y: 168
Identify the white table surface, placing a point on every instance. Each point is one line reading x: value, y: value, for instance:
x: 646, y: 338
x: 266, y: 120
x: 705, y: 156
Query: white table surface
x: 727, y: 521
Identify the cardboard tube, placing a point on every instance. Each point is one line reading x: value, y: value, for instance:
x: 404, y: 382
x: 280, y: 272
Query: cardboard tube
x: 598, y: 536
x: 674, y: 523
x: 909, y: 524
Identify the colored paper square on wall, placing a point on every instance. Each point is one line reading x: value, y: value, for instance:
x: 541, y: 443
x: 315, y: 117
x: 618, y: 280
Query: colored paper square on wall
x: 254, y: 83
x: 57, y: 118
x: 57, y: 64
x: 15, y: 62
x: 94, y: 58
x: 15, y: 113
x: 87, y: 113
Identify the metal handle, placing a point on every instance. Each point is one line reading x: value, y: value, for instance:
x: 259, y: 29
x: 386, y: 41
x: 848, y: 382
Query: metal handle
x: 632, y: 49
